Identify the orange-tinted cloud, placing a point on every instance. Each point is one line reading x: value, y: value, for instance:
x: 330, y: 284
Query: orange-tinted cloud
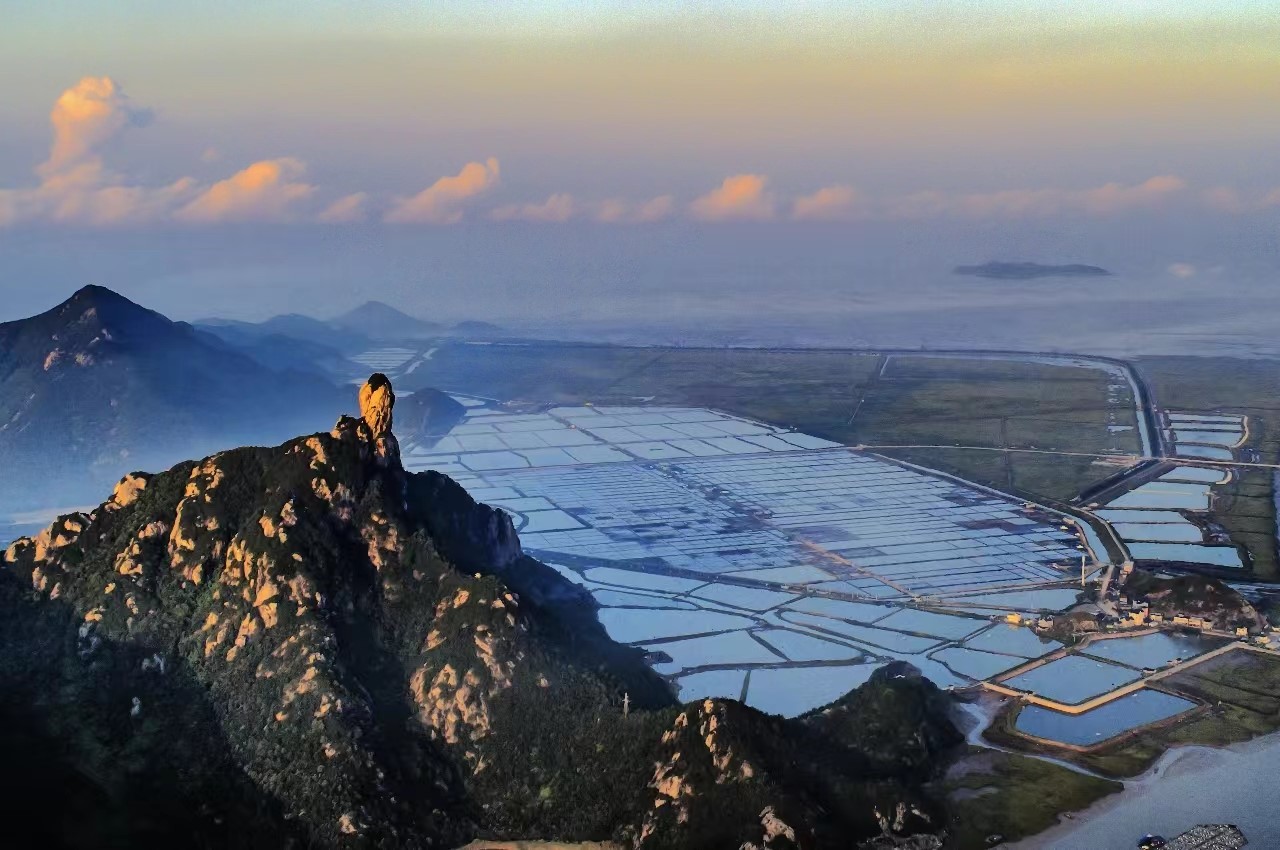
x: 265, y: 191
x: 345, y: 209
x: 558, y: 207
x: 84, y: 117
x: 829, y: 203
x: 740, y: 197
x: 441, y: 202
x: 1107, y: 199
x: 617, y: 211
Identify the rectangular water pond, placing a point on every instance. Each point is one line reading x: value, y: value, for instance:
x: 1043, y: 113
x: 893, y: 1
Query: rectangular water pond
x: 1073, y: 679
x: 1207, y: 452
x: 792, y: 691
x: 1012, y: 640
x: 1049, y: 599
x: 1162, y: 532
x: 1153, y: 650
x: 1218, y: 556
x: 1107, y: 721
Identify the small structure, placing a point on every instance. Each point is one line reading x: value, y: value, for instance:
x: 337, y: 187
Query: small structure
x: 1013, y: 619
x: 1206, y: 836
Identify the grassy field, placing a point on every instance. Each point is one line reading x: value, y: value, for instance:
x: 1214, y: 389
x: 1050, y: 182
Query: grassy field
x: 1242, y: 693
x: 1246, y: 507
x: 852, y: 398
x: 994, y: 793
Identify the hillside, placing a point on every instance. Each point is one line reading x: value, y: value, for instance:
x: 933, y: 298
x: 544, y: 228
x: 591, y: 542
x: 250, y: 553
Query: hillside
x: 99, y: 385
x: 306, y: 646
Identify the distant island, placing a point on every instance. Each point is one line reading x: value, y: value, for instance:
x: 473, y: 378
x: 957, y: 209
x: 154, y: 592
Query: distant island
x: 1030, y: 271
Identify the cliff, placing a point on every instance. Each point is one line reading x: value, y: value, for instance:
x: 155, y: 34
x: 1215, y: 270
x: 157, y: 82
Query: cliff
x: 305, y: 645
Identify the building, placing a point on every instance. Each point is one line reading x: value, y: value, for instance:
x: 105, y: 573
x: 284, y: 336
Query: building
x: 1219, y: 836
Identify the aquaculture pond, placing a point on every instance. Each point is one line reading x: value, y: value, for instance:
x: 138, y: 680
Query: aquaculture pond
x: 1073, y: 679
x: 790, y: 691
x: 1153, y: 650
x: 1049, y: 599
x: 1093, y: 727
x: 1161, y: 532
x: 1012, y: 640
x: 1218, y: 556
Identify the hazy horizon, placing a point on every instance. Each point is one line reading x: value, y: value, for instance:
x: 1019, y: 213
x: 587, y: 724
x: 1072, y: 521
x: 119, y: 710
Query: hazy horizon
x: 699, y: 166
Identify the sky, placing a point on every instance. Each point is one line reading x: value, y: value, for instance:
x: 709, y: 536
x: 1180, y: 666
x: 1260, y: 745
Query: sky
x: 610, y: 160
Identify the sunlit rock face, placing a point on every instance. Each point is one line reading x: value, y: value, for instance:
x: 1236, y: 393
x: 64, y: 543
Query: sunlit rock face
x: 376, y: 402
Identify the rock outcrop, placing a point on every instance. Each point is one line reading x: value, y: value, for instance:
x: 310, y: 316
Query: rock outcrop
x: 308, y: 646
x: 376, y: 402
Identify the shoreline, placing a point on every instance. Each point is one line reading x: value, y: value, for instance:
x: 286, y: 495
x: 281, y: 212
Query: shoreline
x: 1176, y: 766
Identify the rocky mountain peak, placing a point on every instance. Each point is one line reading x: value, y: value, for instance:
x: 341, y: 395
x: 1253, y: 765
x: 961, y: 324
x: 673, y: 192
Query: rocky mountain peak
x: 376, y: 402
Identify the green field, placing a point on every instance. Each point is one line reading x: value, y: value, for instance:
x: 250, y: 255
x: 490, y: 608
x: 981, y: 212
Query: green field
x: 850, y: 397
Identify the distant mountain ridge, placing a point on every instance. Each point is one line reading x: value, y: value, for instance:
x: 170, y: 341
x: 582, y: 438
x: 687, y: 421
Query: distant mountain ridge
x: 359, y: 329
x: 382, y: 321
x: 1029, y: 271
x: 99, y: 385
x: 308, y: 646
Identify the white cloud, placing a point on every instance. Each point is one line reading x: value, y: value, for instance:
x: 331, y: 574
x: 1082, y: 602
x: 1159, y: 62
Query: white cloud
x: 556, y: 208
x: 1108, y: 199
x: 346, y: 209
x: 618, y: 211
x: 828, y: 203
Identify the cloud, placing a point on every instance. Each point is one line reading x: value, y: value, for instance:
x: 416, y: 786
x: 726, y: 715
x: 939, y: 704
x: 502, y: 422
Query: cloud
x: 75, y: 186
x: 1228, y: 200
x: 1107, y: 199
x: 556, y: 208
x: 1182, y: 270
x: 210, y: 154
x: 616, y: 210
x: 440, y: 203
x: 740, y: 197
x: 265, y: 191
x: 827, y: 204
x: 84, y: 117
x: 656, y: 209
x: 346, y: 209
